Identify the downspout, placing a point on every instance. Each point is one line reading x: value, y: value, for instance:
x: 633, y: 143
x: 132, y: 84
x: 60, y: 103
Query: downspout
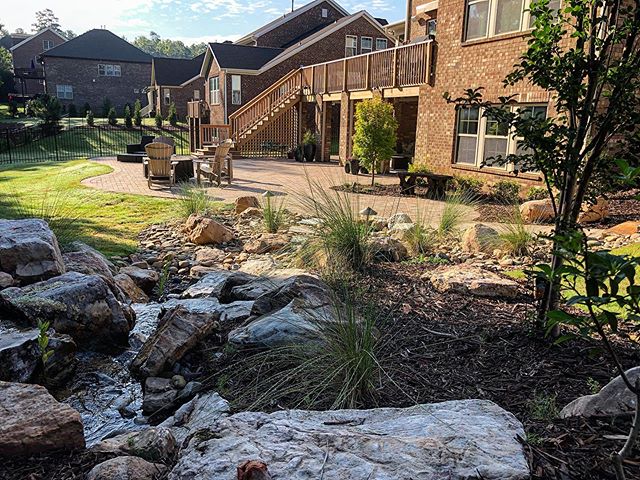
x: 224, y: 98
x: 407, y: 21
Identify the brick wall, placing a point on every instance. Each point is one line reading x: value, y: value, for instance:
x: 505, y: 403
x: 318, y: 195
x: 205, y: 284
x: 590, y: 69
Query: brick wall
x: 26, y: 55
x: 305, y: 22
x: 89, y: 87
x: 180, y: 96
x: 217, y: 114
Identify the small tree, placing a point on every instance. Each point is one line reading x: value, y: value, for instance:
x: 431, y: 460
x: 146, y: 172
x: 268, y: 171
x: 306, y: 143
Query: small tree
x: 112, y: 117
x: 158, y: 119
x: 127, y: 116
x: 73, y: 111
x: 173, y: 115
x: 106, y: 107
x: 86, y: 109
x: 13, y: 107
x: 90, y: 119
x: 137, y: 115
x: 48, y: 109
x: 375, y: 137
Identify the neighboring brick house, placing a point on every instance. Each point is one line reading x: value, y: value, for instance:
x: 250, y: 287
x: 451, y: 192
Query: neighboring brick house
x: 95, y: 66
x: 236, y: 73
x: 175, y: 80
x: 28, y: 72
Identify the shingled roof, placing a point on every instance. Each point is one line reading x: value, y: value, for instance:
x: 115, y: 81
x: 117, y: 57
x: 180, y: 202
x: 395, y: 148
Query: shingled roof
x: 229, y: 55
x: 173, y: 72
x: 99, y: 44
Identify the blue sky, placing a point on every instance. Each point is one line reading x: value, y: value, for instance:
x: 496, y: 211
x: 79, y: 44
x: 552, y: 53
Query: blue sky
x: 186, y: 20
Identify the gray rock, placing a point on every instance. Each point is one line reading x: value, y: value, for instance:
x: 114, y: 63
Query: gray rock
x: 313, y: 291
x: 29, y: 250
x: 145, y: 279
x: 201, y: 413
x: 158, y: 394
x: 82, y: 258
x: 155, y: 444
x: 388, y: 249
x: 214, y: 284
x: 19, y: 356
x: 614, y: 399
x: 6, y: 280
x: 455, y: 440
x: 189, y: 391
x: 480, y: 238
x: 126, y: 468
x: 209, y: 257
x: 32, y: 421
x: 259, y: 266
x: 62, y: 363
x: 81, y: 305
x: 466, y: 279
x: 398, y: 218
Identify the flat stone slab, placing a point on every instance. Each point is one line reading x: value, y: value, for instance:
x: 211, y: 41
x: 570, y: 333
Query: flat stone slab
x: 470, y: 280
x: 452, y: 440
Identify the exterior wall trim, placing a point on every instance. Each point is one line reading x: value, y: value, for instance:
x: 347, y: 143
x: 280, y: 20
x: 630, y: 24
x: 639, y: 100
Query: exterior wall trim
x: 35, y: 35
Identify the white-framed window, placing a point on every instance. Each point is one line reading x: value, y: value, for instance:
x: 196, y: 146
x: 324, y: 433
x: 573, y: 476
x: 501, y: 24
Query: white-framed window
x: 366, y: 44
x: 64, y: 92
x: 431, y: 27
x: 236, y: 90
x: 214, y: 91
x: 479, y: 137
x: 325, y: 13
x: 108, y: 70
x: 167, y: 96
x: 351, y: 46
x: 196, y: 94
x: 381, y: 43
x: 47, y: 45
x: 488, y: 18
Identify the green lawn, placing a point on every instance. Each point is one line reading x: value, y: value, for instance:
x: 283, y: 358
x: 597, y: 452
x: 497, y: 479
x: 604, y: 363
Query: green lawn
x: 109, y: 222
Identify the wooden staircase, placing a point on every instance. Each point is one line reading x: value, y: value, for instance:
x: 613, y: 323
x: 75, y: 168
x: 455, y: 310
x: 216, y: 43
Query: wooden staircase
x: 264, y: 109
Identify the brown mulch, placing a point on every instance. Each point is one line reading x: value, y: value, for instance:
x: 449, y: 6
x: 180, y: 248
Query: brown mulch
x: 64, y: 466
x: 394, y: 190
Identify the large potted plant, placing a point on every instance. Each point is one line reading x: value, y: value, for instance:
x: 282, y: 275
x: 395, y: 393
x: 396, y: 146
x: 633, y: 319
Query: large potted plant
x: 298, y: 153
x: 374, y: 141
x: 309, y: 146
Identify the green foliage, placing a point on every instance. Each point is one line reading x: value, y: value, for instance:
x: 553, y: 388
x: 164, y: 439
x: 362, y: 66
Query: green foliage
x: 112, y: 117
x: 48, y: 109
x: 467, y: 185
x: 594, y: 386
x: 86, y: 109
x: 163, y: 280
x: 106, y: 107
x: 309, y: 138
x: 273, y: 214
x: 90, y: 118
x: 13, y: 108
x: 43, y: 341
x: 374, y: 140
x: 192, y: 200
x: 516, y: 235
x: 544, y: 407
x: 137, y: 115
x: 456, y: 209
x: 158, y: 119
x: 45, y: 19
x: 158, y: 47
x: 506, y: 191
x: 537, y: 193
x: 172, y: 116
x: 128, y: 121
x: 421, y: 167
x: 72, y: 110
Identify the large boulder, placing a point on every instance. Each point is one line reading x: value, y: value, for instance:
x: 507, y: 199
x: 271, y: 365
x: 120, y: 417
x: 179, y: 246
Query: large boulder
x: 267, y: 243
x: 594, y: 212
x: 480, y: 238
x: 32, y: 421
x: 126, y: 468
x: 246, y: 202
x: 62, y: 363
x: 29, y: 251
x: 80, y: 305
x: 215, y: 284
x: 398, y: 218
x: 19, y: 355
x: 82, y: 258
x: 625, y: 228
x: 614, y: 399
x: 466, y: 279
x: 145, y: 278
x: 537, y: 211
x: 454, y: 440
x: 130, y: 289
x: 179, y: 330
x: 203, y: 231
x: 155, y: 444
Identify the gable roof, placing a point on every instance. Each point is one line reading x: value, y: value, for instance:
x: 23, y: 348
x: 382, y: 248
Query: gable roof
x: 99, y: 44
x: 173, y: 72
x: 286, y: 18
x: 36, y: 35
x: 230, y: 55
x: 12, y: 39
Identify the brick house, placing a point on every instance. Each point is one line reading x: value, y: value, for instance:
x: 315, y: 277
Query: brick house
x: 28, y: 72
x: 95, y: 66
x: 175, y: 80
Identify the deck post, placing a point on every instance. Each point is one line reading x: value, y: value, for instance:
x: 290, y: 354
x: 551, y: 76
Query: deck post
x: 345, y: 72
x: 394, y: 69
x: 367, y: 74
x: 325, y: 79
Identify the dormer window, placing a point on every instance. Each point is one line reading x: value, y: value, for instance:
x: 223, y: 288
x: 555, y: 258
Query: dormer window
x: 325, y: 13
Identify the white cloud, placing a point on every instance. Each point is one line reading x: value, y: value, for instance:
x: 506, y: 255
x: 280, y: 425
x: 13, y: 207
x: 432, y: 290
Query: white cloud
x: 206, y: 39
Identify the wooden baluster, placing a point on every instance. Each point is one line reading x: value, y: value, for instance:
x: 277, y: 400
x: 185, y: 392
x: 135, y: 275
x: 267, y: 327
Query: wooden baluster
x: 345, y: 70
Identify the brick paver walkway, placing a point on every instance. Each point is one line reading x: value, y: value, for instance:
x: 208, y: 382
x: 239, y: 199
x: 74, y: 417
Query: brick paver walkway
x: 255, y: 176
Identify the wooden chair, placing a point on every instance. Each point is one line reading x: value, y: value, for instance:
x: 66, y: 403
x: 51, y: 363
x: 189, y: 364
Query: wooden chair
x: 213, y: 168
x: 166, y: 141
x: 160, y: 167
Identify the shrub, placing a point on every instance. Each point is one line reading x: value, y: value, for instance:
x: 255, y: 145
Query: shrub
x: 506, y: 191
x: 272, y: 214
x: 128, y: 121
x: 90, y: 119
x: 172, y: 116
x: 106, y: 107
x: 192, y: 200
x: 73, y: 111
x: 137, y: 115
x: 468, y: 185
x: 86, y: 109
x: 537, y: 193
x: 48, y: 109
x: 516, y: 237
x: 309, y: 138
x: 419, y: 167
x: 158, y: 119
x: 112, y: 117
x: 13, y: 107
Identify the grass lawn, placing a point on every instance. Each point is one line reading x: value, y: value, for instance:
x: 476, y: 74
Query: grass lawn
x: 109, y: 222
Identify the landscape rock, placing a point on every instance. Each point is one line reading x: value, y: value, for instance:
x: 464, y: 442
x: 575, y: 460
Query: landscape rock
x: 209, y: 256
x: 29, y: 251
x: 401, y: 231
x: 398, y: 218
x: 613, y: 399
x: 132, y: 291
x: 84, y: 259
x: 259, y: 266
x: 19, y: 355
x: 466, y: 279
x: 32, y: 421
x: 454, y: 440
x: 145, y: 278
x: 179, y: 330
x: 203, y: 231
x: 251, y: 213
x: 155, y: 444
x: 625, y: 228
x: 81, y: 305
x: 6, y: 280
x: 158, y: 394
x: 312, y: 291
x: 62, y: 363
x: 480, y: 238
x: 388, y: 249
x: 266, y: 243
x: 215, y: 283
x: 244, y: 203
x: 537, y: 211
x: 595, y: 212
x: 126, y: 468
x: 200, y: 414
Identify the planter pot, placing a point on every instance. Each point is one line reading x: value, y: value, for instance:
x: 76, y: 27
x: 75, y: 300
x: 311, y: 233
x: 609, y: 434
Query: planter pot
x: 355, y: 166
x: 291, y: 154
x: 399, y: 162
x: 298, y: 154
x: 310, y: 152
x: 347, y: 167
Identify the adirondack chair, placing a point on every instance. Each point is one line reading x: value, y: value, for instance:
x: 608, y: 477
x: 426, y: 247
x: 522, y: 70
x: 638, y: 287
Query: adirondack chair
x: 213, y: 168
x: 160, y: 167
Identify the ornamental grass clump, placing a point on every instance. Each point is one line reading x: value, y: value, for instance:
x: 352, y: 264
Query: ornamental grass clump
x: 457, y: 206
x: 192, y: 200
x: 273, y: 213
x: 516, y: 237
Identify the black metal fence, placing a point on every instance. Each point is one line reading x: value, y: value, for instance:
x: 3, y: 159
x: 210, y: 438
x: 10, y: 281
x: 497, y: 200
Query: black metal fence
x: 38, y: 144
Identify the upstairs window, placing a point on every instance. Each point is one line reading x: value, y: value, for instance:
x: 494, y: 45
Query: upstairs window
x: 366, y: 44
x: 351, y: 46
x: 196, y: 94
x: 381, y: 43
x: 431, y: 27
x: 325, y: 13
x: 107, y: 70
x: 167, y: 96
x: 214, y: 91
x: 64, y: 92
x: 236, y: 90
x: 47, y: 45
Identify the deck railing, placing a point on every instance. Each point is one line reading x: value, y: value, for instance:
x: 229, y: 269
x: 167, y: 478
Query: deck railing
x: 211, y: 134
x: 196, y: 109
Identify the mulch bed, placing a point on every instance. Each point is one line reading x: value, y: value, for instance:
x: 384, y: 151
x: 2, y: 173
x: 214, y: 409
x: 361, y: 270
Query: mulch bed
x: 393, y: 190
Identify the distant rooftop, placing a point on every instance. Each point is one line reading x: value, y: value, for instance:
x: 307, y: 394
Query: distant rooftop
x: 229, y: 55
x: 99, y: 44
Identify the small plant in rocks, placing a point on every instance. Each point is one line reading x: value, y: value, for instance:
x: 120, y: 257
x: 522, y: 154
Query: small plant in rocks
x: 43, y: 341
x: 506, y: 191
x: 273, y: 212
x: 192, y: 200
